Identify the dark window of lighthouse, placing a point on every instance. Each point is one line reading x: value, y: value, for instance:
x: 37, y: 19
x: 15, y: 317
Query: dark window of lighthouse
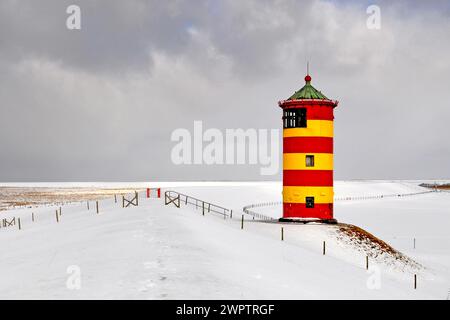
x: 310, y: 202
x: 310, y: 160
x: 294, y: 118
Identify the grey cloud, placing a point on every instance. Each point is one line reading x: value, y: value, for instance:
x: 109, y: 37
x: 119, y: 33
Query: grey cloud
x: 116, y: 36
x: 101, y: 103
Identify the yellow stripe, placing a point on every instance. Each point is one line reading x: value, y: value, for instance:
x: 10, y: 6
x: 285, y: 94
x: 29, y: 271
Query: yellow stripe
x: 297, y: 161
x: 314, y: 128
x: 299, y: 194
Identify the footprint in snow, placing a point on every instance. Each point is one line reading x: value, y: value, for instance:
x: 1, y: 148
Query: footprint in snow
x: 151, y: 264
x: 146, y: 285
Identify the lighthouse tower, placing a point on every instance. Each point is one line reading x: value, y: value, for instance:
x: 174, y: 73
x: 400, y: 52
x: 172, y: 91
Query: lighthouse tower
x: 308, y: 155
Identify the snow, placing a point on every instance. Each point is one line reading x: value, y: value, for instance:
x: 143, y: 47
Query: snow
x: 155, y: 251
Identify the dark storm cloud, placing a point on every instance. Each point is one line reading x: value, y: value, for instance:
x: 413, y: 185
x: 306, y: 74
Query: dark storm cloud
x: 100, y: 103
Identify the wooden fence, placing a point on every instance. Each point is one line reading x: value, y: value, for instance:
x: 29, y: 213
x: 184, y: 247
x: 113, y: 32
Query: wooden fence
x: 178, y: 199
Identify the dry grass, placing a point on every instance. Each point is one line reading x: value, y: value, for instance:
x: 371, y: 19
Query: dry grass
x: 445, y: 186
x: 16, y: 197
x: 372, y: 246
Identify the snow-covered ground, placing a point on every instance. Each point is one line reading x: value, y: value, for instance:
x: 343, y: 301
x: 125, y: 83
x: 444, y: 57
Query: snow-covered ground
x: 161, y: 252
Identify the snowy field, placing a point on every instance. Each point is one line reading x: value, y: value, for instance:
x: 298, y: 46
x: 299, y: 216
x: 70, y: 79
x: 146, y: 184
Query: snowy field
x: 155, y: 251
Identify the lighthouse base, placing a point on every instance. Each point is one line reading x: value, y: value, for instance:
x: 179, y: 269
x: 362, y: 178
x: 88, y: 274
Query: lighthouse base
x: 308, y: 220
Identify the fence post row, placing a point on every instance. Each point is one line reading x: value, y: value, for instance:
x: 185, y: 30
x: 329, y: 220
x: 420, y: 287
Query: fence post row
x: 259, y: 215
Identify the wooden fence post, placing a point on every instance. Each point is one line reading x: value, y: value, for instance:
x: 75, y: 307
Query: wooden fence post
x: 324, y: 248
x: 57, y: 216
x: 88, y: 205
x: 96, y: 206
x: 415, y: 281
x: 137, y: 198
x: 115, y: 198
x: 414, y: 243
x: 367, y: 262
x: 203, y: 207
x: 32, y: 216
x: 60, y: 210
x: 242, y: 222
x: 123, y: 201
x: 20, y: 226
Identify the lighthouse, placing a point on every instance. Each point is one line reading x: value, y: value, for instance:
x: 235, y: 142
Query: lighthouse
x: 308, y: 155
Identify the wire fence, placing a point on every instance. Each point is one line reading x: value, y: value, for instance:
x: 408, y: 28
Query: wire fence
x: 248, y: 209
x: 257, y: 215
x: 381, y: 196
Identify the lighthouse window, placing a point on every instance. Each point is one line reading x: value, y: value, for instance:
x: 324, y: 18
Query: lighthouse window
x: 310, y: 202
x: 294, y: 118
x: 310, y: 160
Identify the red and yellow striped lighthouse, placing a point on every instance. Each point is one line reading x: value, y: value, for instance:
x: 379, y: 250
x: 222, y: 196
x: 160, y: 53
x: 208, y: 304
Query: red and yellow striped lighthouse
x: 308, y: 155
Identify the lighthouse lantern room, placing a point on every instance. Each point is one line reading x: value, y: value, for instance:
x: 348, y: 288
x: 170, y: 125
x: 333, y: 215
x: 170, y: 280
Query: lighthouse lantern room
x: 308, y: 155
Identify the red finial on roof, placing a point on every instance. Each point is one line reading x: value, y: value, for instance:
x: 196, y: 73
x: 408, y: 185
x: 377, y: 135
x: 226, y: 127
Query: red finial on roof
x: 308, y: 77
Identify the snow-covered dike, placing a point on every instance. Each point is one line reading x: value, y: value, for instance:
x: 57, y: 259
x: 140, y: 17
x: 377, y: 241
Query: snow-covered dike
x: 155, y: 251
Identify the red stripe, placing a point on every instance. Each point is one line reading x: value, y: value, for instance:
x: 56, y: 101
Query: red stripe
x: 315, y: 112
x: 308, y: 145
x: 299, y: 210
x: 322, y: 178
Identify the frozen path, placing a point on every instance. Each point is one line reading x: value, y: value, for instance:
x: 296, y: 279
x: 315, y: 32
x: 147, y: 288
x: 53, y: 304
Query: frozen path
x: 157, y: 252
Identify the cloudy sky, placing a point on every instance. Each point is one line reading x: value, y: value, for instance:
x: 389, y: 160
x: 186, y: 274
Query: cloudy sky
x: 100, y: 103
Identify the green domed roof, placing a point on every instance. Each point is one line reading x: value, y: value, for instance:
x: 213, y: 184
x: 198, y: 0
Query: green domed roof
x: 308, y: 92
